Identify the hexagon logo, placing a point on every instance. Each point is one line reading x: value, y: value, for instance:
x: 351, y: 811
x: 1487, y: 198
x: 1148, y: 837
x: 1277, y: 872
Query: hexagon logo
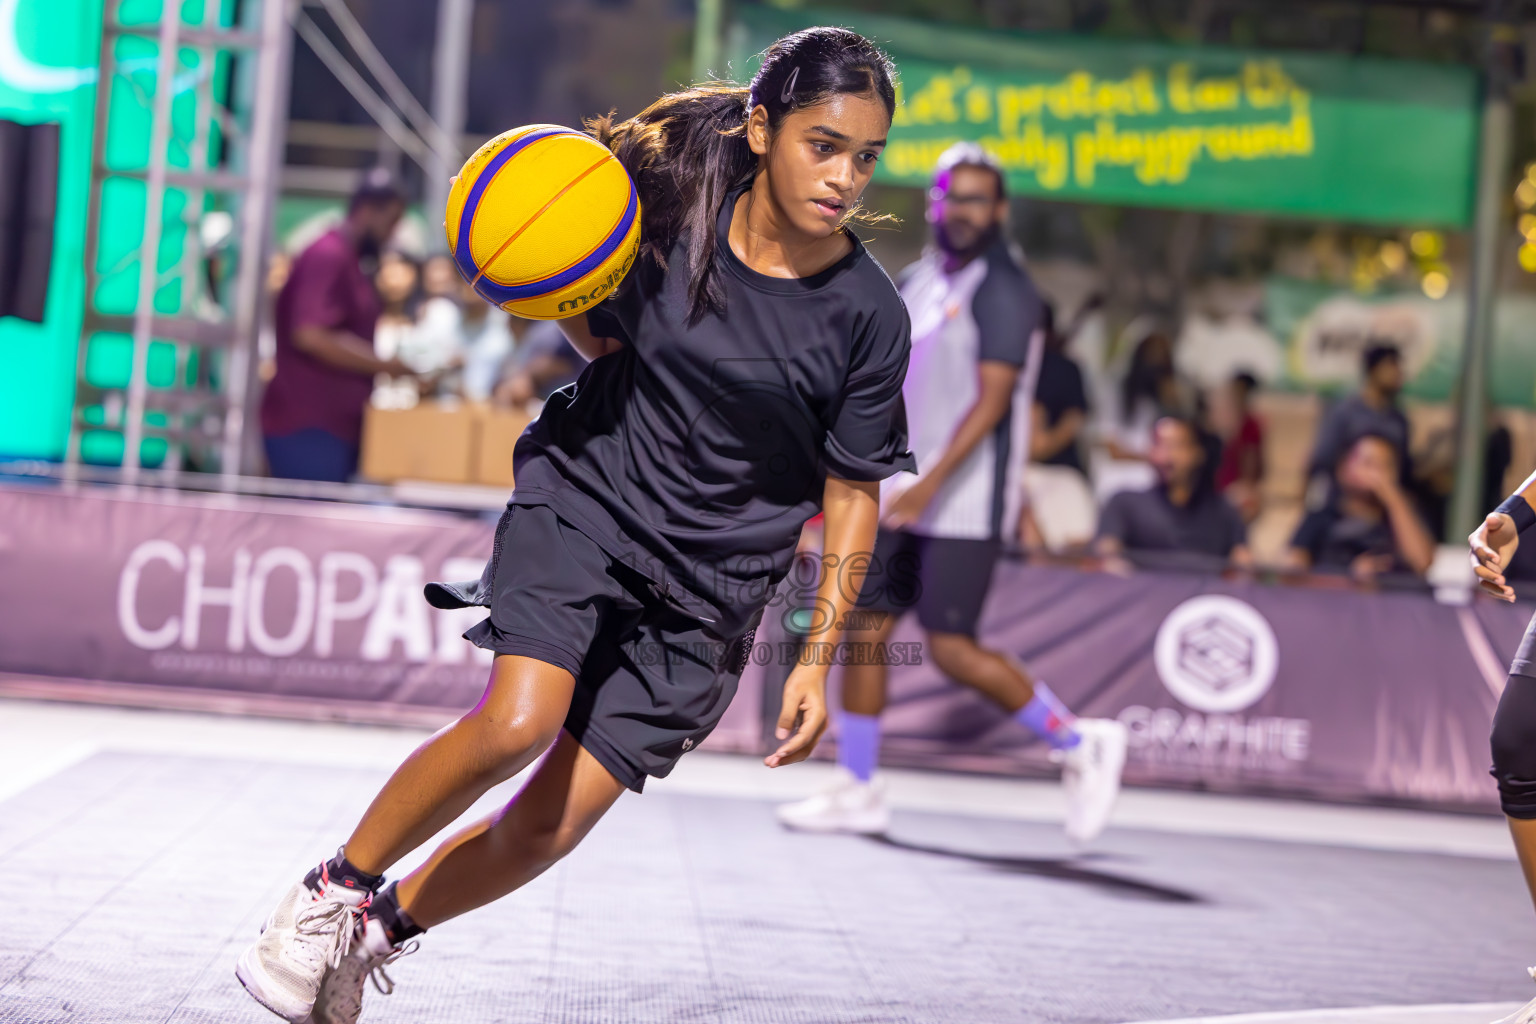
x: 1216, y: 654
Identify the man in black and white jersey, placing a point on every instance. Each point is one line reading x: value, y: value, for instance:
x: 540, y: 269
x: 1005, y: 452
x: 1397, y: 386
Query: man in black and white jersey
x: 976, y: 351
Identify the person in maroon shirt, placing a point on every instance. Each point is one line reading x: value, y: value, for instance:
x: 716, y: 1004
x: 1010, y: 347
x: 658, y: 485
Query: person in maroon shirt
x: 312, y: 412
x: 1241, y: 469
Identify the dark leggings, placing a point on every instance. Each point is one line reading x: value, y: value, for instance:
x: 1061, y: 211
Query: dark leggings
x: 1514, y: 746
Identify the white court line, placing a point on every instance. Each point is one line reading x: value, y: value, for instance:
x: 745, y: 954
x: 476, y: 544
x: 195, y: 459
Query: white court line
x: 1470, y: 1013
x: 39, y: 738
x: 23, y: 764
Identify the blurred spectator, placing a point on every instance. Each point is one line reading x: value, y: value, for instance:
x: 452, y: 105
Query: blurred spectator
x: 466, y: 332
x: 1059, y: 514
x: 1061, y: 402
x: 398, y: 283
x: 440, y: 277
x: 542, y: 363
x: 312, y: 411
x: 1434, y: 477
x: 1150, y: 390
x: 1241, y: 469
x: 1181, y: 514
x: 1371, y: 410
x: 1369, y: 526
x: 487, y: 343
x: 424, y: 330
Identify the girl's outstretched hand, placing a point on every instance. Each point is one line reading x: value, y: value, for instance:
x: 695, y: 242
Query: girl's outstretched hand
x: 1493, y: 544
x: 802, y: 717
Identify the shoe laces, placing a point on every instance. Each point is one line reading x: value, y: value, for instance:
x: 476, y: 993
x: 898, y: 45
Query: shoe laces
x: 377, y: 971
x: 323, y: 930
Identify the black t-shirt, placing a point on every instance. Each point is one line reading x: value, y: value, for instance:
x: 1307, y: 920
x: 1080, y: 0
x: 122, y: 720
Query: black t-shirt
x: 1059, y: 391
x: 1147, y: 521
x: 1335, y: 540
x: 695, y: 454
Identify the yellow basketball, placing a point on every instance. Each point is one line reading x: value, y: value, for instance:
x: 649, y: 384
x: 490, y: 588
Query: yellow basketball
x: 543, y: 221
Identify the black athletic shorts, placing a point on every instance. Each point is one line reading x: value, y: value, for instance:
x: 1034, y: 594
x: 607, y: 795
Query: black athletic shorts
x: 1525, y: 656
x: 650, y: 682
x: 945, y: 579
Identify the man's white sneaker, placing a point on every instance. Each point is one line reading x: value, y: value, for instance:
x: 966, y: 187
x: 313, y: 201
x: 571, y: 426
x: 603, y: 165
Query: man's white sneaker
x: 341, y: 993
x: 1090, y: 773
x: 847, y: 805
x: 1526, y: 1014
x: 308, y: 934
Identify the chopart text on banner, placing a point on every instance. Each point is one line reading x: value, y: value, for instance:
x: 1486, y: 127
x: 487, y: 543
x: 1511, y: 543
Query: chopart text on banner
x: 1094, y: 119
x: 281, y: 602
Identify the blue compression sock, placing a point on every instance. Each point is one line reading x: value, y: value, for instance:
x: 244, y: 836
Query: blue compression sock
x: 1047, y: 717
x: 858, y: 744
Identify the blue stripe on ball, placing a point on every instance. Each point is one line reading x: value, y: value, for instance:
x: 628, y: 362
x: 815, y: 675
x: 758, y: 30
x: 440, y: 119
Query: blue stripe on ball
x: 503, y: 293
x: 461, y: 252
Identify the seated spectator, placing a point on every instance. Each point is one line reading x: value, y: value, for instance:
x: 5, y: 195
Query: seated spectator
x: 485, y: 334
x: 1241, y: 468
x: 542, y: 363
x: 1059, y: 514
x: 1434, y: 471
x: 440, y: 278
x: 420, y: 329
x: 1371, y: 410
x: 1181, y: 515
x: 464, y: 339
x: 1061, y: 403
x: 1369, y: 526
x: 398, y: 282
x: 1151, y: 390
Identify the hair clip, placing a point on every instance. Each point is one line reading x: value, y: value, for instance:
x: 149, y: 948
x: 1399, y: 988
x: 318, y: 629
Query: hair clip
x: 789, y: 87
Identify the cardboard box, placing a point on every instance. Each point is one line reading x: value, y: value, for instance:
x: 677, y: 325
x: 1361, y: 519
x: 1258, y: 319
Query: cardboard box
x: 499, y: 431
x: 432, y: 441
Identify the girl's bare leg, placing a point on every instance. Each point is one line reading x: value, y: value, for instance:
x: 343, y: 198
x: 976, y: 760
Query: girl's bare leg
x: 1524, y: 833
x: 520, y: 715
x: 568, y: 793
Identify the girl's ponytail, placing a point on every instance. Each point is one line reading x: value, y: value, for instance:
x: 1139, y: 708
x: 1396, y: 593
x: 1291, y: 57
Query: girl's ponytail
x: 685, y: 152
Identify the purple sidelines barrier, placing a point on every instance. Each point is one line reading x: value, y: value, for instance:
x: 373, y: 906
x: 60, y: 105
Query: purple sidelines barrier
x: 316, y: 607
x: 1238, y: 687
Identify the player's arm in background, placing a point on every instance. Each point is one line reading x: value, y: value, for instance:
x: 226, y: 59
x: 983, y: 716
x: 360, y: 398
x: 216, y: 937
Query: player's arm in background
x: 1494, y: 542
x: 320, y: 322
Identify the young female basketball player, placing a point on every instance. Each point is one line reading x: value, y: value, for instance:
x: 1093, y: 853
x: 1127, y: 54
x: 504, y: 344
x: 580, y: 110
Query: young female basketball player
x: 748, y: 374
x: 1514, y: 723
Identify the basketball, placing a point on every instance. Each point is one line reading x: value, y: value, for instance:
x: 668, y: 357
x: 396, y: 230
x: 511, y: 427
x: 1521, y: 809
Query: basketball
x: 543, y: 221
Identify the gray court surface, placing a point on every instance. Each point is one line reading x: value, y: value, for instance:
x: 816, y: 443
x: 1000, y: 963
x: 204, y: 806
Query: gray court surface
x: 131, y: 882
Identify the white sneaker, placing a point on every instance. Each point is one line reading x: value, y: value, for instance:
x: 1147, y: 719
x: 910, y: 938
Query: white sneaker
x: 1526, y: 1014
x: 1090, y: 773
x: 341, y: 992
x: 308, y: 934
x: 847, y: 805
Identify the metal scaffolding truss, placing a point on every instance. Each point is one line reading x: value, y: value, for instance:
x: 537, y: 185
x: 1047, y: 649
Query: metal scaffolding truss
x: 202, y: 415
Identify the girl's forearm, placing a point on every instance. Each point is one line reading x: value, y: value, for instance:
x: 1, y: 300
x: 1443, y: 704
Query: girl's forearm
x: 851, y: 516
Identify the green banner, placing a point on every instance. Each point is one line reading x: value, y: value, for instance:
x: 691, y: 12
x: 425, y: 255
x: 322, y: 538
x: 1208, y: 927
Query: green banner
x: 1323, y: 330
x: 1146, y: 124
